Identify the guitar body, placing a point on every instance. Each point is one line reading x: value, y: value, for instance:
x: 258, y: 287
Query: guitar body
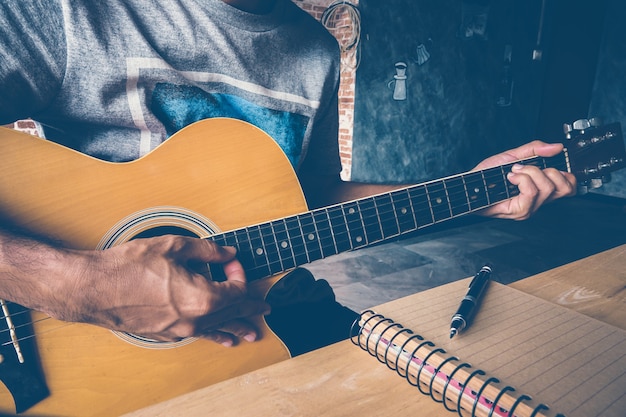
x: 213, y: 176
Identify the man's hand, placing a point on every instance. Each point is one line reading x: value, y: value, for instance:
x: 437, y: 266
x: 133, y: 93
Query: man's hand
x: 536, y: 186
x: 149, y: 287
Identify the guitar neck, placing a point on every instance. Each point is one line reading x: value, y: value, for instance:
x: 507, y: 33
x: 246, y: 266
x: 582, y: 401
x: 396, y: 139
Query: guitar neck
x: 280, y: 245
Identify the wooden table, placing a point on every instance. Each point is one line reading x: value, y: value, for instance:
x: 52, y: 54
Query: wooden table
x: 342, y: 380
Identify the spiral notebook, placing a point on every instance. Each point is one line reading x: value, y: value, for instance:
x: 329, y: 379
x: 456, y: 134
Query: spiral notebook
x: 522, y: 356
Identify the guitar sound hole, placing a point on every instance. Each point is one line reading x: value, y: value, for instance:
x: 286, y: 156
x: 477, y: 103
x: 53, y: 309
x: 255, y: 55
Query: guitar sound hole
x: 159, y: 221
x: 164, y: 230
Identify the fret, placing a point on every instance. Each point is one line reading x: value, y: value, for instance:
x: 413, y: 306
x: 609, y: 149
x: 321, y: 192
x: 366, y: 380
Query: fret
x: 245, y: 253
x: 421, y: 206
x: 354, y: 222
x: 541, y: 163
x: 339, y: 229
x: 438, y: 201
x: 270, y: 246
x: 371, y: 223
x: 467, y: 193
x: 219, y: 239
x: 512, y: 189
x: 231, y: 239
x: 283, y: 244
x: 476, y: 190
x: 482, y: 175
x: 457, y: 195
x: 296, y: 237
x: 404, y: 211
x: 537, y: 162
x: 505, y: 182
x: 311, y: 238
x: 387, y: 216
x: 324, y: 232
x: 496, y: 188
x: 558, y: 161
x: 261, y: 262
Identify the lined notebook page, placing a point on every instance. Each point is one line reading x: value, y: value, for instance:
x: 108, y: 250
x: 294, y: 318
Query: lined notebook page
x: 571, y: 362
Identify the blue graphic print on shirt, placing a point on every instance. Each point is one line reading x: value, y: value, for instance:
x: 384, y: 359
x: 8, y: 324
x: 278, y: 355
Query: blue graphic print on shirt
x: 177, y: 106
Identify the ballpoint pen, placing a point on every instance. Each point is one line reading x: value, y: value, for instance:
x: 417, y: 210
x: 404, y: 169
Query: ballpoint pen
x: 470, y: 303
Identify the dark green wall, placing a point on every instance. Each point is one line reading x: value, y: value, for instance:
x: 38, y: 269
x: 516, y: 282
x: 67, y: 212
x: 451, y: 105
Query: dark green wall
x: 452, y: 118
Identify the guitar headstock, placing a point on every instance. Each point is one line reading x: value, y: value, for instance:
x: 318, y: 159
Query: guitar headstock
x: 594, y: 151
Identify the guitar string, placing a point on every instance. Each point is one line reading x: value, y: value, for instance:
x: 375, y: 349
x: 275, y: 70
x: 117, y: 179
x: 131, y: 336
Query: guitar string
x: 30, y: 336
x: 460, y: 189
x: 326, y: 227
x: 342, y: 237
x: 18, y: 327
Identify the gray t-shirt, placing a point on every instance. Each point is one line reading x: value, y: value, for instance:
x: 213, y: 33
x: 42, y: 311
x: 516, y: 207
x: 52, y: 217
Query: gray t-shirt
x: 115, y: 78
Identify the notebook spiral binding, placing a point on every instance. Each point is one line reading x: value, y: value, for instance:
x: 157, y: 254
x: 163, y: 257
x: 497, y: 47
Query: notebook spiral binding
x: 443, y: 377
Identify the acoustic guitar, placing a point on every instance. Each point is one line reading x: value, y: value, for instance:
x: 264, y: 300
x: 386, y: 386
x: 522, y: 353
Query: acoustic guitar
x: 219, y: 179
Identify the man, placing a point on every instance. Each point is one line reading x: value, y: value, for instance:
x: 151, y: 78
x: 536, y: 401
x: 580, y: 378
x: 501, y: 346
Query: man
x: 115, y: 78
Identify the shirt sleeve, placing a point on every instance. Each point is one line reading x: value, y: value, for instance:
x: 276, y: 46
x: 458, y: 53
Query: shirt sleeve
x: 322, y: 156
x: 32, y: 56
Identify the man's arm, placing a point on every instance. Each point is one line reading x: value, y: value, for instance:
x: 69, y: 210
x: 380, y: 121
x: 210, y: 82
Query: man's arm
x: 144, y: 286
x: 536, y: 186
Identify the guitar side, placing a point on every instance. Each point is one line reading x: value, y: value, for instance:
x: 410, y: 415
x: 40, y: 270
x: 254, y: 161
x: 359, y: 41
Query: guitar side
x: 226, y: 173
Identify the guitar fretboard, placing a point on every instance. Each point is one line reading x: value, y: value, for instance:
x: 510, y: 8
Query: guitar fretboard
x: 280, y: 245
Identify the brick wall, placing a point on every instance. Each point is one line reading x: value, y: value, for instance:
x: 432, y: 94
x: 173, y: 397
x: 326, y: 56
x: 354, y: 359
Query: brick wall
x: 342, y: 28
x: 27, y: 126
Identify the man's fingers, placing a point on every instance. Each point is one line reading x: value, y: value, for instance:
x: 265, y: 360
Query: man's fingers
x: 535, y: 148
x: 564, y: 181
x: 234, y: 271
x: 237, y: 310
x: 533, y: 184
x: 202, y: 250
x: 228, y: 334
x: 528, y: 150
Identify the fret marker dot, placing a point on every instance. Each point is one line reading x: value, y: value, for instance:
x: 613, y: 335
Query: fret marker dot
x: 476, y: 190
x: 351, y: 211
x: 359, y: 239
x: 403, y: 210
x: 259, y: 251
x: 311, y: 236
x: 284, y: 245
x: 439, y: 200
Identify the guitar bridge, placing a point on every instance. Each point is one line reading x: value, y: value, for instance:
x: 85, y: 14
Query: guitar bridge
x: 13, y: 335
x: 19, y: 364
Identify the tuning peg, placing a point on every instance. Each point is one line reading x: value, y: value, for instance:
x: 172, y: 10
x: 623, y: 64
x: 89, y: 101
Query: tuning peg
x: 595, y: 183
x: 582, y: 189
x: 595, y: 122
x: 580, y: 126
x: 591, y: 184
x: 567, y: 130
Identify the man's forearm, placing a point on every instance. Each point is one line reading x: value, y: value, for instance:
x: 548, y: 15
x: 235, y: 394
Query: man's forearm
x: 31, y: 272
